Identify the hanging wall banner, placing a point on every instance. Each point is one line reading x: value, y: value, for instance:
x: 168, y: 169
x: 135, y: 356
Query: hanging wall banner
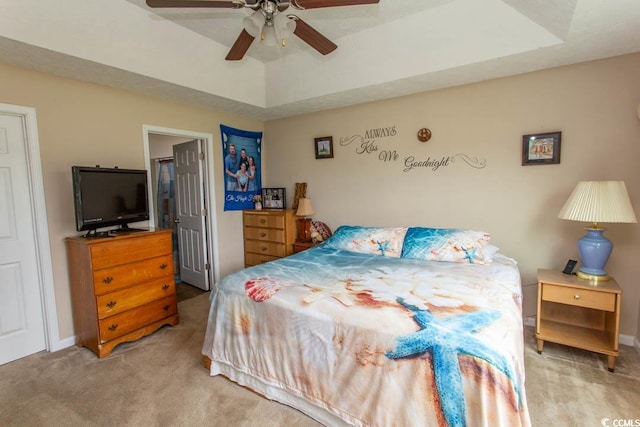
x: 241, y: 152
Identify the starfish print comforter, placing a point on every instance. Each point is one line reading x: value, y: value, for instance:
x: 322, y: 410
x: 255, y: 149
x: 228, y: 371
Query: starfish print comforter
x: 367, y: 340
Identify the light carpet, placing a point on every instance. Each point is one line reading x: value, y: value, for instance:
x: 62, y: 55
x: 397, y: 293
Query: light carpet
x: 160, y: 381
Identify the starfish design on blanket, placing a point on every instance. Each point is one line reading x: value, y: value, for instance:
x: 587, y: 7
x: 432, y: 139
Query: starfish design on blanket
x: 445, y: 339
x: 470, y: 254
x: 383, y: 246
x: 340, y: 294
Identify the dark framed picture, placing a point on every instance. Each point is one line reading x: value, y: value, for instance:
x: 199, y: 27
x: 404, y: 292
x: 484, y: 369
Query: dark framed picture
x: 324, y: 147
x: 541, y: 148
x: 274, y: 198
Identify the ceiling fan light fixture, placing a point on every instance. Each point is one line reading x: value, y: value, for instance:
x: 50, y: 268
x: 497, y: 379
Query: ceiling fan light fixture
x: 269, y: 35
x: 253, y: 23
x: 284, y: 28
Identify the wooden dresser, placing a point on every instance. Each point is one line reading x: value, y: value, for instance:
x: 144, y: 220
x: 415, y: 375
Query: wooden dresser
x: 122, y: 287
x: 268, y: 235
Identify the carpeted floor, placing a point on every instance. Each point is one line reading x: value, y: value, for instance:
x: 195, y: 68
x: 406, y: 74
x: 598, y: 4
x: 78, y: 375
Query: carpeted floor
x: 160, y: 381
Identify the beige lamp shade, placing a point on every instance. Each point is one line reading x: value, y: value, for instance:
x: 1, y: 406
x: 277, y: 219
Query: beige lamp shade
x: 304, y: 207
x: 599, y: 201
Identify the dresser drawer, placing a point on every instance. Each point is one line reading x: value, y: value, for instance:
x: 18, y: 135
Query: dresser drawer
x: 122, y: 276
x: 256, y: 259
x: 128, y: 298
x: 264, y: 220
x: 129, y: 250
x: 123, y: 323
x: 579, y: 297
x: 265, y: 234
x: 265, y: 248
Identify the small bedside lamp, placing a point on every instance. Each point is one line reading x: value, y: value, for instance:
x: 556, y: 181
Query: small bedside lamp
x: 595, y: 202
x: 304, y: 224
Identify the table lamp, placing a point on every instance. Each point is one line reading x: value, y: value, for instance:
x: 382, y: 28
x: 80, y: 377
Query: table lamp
x: 304, y: 224
x: 596, y: 202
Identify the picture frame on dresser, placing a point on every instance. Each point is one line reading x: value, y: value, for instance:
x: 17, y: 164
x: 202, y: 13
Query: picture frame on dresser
x: 274, y: 198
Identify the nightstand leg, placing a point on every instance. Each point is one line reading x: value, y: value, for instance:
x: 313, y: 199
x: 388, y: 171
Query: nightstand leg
x: 540, y: 345
x: 611, y: 360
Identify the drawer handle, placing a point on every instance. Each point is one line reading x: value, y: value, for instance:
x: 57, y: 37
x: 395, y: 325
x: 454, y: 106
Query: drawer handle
x: 166, y: 307
x: 165, y: 287
x: 264, y: 248
x: 113, y: 327
x: 576, y: 296
x: 111, y: 304
x: 263, y: 234
x: 262, y: 221
x: 163, y: 266
x: 107, y: 280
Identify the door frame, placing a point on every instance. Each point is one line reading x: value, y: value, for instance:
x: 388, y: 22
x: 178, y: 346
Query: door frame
x: 41, y: 227
x: 209, y: 189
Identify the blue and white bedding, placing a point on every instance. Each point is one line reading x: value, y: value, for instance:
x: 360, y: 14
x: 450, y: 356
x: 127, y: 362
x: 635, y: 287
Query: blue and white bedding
x: 364, y: 339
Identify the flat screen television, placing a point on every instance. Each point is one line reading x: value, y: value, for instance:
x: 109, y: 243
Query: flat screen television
x: 107, y: 197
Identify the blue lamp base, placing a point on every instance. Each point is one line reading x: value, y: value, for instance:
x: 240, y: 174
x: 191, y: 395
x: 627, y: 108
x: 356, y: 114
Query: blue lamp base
x: 594, y: 250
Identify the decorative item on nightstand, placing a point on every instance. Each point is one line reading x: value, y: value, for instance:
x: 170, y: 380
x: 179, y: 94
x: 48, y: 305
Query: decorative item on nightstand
x: 596, y: 202
x: 304, y: 224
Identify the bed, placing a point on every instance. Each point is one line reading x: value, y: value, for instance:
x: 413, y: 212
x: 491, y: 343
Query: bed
x: 379, y: 327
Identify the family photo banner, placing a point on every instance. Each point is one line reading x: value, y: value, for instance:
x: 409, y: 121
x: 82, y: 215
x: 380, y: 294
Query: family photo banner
x: 241, y: 152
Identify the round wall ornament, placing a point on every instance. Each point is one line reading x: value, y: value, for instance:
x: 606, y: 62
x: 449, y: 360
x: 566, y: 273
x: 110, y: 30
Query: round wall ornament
x: 424, y: 135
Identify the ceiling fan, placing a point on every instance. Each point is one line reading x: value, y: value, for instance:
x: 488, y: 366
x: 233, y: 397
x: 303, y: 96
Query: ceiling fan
x: 269, y: 21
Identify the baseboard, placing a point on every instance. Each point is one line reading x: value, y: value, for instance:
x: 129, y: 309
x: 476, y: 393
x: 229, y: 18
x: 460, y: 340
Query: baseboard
x: 628, y: 340
x: 62, y: 344
x: 637, y: 342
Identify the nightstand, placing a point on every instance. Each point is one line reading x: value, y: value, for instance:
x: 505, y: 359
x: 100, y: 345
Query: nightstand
x: 578, y: 313
x: 302, y: 246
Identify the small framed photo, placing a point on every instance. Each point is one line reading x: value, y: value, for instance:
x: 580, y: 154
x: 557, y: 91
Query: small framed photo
x: 274, y: 198
x: 541, y: 148
x: 324, y: 147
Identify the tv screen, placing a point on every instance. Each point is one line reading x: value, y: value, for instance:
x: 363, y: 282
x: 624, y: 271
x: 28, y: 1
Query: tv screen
x: 109, y: 196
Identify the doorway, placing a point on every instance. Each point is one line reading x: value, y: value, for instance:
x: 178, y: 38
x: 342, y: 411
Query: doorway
x: 159, y: 143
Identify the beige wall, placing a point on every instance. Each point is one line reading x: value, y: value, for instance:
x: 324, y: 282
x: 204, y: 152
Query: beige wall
x: 593, y: 104
x: 86, y: 124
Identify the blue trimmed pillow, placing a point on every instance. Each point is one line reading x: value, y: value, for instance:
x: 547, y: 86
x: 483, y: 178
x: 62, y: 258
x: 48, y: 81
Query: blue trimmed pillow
x: 368, y: 240
x: 447, y: 244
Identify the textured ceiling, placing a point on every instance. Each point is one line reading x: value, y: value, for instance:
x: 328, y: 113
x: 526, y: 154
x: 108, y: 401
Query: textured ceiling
x: 394, y: 48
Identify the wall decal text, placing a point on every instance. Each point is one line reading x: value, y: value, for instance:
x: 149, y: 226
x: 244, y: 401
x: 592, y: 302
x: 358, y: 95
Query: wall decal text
x: 368, y: 144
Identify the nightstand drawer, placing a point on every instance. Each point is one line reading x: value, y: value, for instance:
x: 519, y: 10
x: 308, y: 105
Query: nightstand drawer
x: 579, y: 297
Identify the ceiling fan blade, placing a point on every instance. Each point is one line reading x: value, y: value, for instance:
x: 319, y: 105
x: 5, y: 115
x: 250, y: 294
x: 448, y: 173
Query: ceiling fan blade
x: 315, y: 4
x: 313, y: 38
x: 195, y: 3
x: 240, y: 47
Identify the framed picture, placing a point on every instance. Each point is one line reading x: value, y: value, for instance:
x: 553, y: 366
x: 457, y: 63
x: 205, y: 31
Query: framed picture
x: 541, y: 148
x: 274, y: 198
x: 324, y: 147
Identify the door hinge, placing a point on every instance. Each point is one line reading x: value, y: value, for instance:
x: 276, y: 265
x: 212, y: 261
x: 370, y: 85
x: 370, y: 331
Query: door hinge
x: 206, y: 266
x: 201, y: 155
x: 204, y: 212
